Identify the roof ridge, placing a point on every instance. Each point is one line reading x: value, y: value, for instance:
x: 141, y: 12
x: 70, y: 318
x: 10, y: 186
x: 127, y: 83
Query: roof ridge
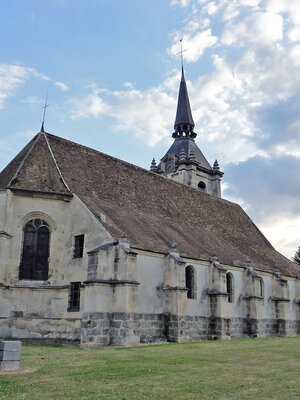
x: 153, y: 174
x: 97, y: 151
x: 55, y: 162
x: 24, y: 159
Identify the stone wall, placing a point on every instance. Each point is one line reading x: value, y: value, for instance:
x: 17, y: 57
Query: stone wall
x: 33, y: 329
x: 101, y: 329
x: 119, y: 329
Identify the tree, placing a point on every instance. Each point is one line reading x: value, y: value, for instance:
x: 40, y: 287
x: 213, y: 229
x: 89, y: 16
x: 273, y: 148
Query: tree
x: 296, y: 257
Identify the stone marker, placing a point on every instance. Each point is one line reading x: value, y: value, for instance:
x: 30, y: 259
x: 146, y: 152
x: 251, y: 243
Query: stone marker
x: 10, y: 355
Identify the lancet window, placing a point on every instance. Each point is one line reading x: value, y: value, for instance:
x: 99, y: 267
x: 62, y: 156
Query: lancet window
x: 190, y: 282
x: 35, y: 252
x: 229, y: 287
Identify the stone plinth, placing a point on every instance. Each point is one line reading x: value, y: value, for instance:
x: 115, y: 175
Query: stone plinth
x: 10, y: 355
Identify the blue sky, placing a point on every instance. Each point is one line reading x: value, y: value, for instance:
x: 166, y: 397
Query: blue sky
x: 112, y: 74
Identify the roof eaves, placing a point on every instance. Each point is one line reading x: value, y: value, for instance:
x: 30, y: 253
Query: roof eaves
x: 64, y: 194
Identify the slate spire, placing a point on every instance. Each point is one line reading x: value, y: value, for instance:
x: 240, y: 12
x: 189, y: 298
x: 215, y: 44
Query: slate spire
x: 184, y: 123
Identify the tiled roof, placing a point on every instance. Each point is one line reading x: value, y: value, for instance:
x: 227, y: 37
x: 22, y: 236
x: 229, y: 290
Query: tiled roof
x: 153, y: 210
x: 189, y: 146
x: 34, y: 169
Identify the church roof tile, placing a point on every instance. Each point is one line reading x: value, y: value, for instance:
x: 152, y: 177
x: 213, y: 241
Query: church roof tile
x: 153, y: 210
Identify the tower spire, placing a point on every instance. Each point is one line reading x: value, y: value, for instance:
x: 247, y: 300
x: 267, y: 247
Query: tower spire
x: 184, y: 161
x: 184, y: 123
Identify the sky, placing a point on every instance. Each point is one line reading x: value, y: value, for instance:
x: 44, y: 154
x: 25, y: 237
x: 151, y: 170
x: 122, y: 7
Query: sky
x: 111, y: 72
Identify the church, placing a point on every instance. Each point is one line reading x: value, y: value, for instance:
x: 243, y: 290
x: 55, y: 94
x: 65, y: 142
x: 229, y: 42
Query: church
x: 97, y: 251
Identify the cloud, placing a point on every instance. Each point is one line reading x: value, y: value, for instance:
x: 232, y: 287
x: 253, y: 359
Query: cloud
x: 233, y: 107
x: 280, y: 123
x: 91, y: 105
x: 268, y: 183
x: 290, y: 7
x: 128, y: 85
x: 294, y: 34
x: 270, y: 187
x: 282, y: 230
x: 211, y: 8
x: 132, y: 110
x: 62, y: 86
x: 12, y: 76
x: 142, y: 112
x: 271, y: 75
x: 182, y: 3
x: 196, y: 44
x: 259, y: 29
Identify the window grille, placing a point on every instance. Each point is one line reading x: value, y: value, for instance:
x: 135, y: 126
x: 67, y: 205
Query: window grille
x: 74, y: 296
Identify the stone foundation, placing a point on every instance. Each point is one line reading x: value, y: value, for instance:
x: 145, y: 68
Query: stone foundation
x: 125, y: 329
x: 102, y: 329
x: 128, y: 329
x: 41, y: 330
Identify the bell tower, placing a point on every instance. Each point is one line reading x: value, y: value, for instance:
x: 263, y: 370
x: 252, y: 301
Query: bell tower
x: 184, y: 162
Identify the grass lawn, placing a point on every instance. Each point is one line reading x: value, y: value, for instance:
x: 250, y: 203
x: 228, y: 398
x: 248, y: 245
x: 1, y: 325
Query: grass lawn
x: 238, y: 369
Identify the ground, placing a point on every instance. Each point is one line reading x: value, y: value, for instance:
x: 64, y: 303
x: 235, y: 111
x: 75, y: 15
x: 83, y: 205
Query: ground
x: 237, y: 369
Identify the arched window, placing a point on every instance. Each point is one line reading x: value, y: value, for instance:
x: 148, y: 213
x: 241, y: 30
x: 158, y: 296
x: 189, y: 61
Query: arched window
x: 190, y: 282
x: 229, y: 287
x: 35, y: 252
x: 201, y: 185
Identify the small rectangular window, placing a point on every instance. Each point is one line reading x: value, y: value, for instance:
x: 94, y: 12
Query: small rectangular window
x: 74, y: 296
x: 78, y: 248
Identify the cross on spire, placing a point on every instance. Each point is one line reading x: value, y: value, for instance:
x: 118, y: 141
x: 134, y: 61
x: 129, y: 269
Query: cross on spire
x: 44, y: 113
x: 180, y: 52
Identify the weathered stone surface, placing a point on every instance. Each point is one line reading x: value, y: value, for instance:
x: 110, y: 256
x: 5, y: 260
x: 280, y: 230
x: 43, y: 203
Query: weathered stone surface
x: 10, y: 355
x: 10, y: 365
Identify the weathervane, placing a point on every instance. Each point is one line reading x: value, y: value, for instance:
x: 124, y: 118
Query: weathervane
x: 44, y: 114
x: 181, y: 51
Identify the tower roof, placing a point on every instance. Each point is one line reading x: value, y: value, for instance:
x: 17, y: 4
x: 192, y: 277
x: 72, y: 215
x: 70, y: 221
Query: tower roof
x: 184, y: 131
x: 189, y: 146
x: 184, y: 113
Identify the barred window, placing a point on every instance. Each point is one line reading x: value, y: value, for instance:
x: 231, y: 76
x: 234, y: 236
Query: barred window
x: 74, y: 296
x: 35, y: 253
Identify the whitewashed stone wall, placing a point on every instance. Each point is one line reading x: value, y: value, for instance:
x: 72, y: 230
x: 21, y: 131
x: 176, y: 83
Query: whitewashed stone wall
x: 139, y: 298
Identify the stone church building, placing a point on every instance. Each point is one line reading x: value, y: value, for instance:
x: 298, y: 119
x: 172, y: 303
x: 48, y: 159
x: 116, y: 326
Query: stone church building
x: 98, y: 251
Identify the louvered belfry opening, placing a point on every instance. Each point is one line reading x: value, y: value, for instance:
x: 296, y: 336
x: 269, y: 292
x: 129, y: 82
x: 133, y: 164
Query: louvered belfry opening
x: 35, y: 253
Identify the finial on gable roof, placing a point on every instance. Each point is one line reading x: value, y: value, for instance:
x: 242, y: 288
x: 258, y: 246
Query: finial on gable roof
x: 44, y: 114
x: 182, y: 155
x: 192, y: 155
x: 153, y: 167
x: 174, y: 246
x: 216, y: 167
